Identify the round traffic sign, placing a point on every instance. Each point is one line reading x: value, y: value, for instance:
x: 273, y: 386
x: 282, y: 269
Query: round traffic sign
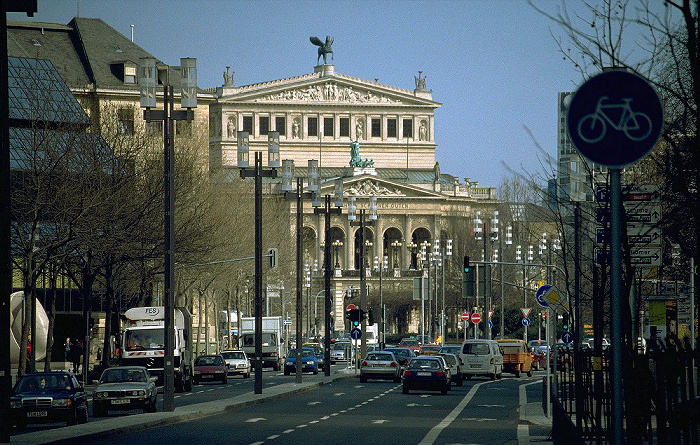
x: 351, y: 307
x: 526, y: 322
x: 539, y: 295
x: 615, y: 118
x: 476, y: 318
x: 355, y: 334
x: 465, y: 316
x: 567, y: 337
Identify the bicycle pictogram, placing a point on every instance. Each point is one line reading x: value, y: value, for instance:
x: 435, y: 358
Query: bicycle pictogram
x: 635, y: 125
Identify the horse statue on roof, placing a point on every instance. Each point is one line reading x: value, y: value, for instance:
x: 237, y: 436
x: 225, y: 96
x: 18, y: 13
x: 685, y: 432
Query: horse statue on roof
x: 323, y: 48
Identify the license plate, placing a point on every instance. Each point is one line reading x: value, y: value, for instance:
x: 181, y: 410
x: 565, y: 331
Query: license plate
x: 37, y: 414
x: 207, y: 376
x: 120, y: 401
x: 424, y: 373
x: 475, y: 366
x: 377, y: 365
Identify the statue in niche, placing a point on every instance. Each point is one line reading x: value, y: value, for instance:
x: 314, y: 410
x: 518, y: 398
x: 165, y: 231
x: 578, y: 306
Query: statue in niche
x: 423, y: 132
x: 356, y: 159
x: 359, y: 130
x: 231, y: 127
x: 323, y: 48
x: 295, y: 129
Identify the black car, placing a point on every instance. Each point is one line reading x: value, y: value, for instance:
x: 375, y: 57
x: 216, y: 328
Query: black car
x: 48, y: 397
x: 426, y: 372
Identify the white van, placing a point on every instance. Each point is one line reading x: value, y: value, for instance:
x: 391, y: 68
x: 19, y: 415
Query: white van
x: 481, y: 357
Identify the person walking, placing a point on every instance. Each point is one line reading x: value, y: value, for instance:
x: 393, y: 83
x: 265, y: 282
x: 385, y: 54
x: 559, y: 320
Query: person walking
x: 67, y: 348
x: 76, y: 354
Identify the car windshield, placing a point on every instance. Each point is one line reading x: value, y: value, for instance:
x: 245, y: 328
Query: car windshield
x: 115, y: 375
x: 45, y: 382
x: 304, y: 353
x: 337, y: 346
x: 233, y: 355
x: 450, y: 359
x: 475, y: 348
x: 401, y: 352
x: 209, y: 360
x: 426, y: 364
x: 380, y: 357
x: 409, y: 342
x: 138, y: 339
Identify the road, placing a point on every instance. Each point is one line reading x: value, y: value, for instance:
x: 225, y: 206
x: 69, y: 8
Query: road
x: 480, y: 412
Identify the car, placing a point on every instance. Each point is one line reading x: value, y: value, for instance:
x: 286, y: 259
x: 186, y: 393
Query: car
x: 429, y: 349
x: 403, y: 355
x: 426, y: 372
x: 48, y: 397
x: 450, y: 349
x: 237, y: 362
x: 516, y: 357
x: 409, y: 343
x: 380, y: 365
x: 124, y: 388
x: 341, y: 352
x: 318, y: 351
x: 308, y: 361
x: 209, y: 368
x: 455, y: 364
x: 481, y: 357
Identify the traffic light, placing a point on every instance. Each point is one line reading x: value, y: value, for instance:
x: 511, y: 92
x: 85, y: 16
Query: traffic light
x: 272, y: 256
x: 467, y: 265
x: 370, y: 317
x: 354, y: 316
x: 467, y: 279
x: 565, y: 321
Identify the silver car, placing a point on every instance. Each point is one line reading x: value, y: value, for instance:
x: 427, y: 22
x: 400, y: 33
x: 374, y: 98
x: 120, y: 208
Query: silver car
x: 380, y: 365
x: 125, y: 388
x: 237, y: 362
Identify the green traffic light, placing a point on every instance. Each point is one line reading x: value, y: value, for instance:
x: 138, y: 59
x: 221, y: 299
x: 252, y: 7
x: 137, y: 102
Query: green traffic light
x: 467, y: 265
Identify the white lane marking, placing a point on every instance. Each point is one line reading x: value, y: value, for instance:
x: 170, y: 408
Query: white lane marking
x: 477, y: 419
x: 314, y: 421
x: 313, y: 403
x: 380, y: 421
x: 255, y: 419
x: 257, y: 443
x: 416, y: 404
x: 288, y: 431
x: 325, y: 417
x: 339, y: 394
x: 435, y: 431
x: 334, y: 414
x: 491, y: 406
x: 301, y: 426
x: 273, y: 437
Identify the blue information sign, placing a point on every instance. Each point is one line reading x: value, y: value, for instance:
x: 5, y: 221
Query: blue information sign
x: 539, y: 295
x: 567, y: 337
x: 526, y: 322
x: 615, y: 118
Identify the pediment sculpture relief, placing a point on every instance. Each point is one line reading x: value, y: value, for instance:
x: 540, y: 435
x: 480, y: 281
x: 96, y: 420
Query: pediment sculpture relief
x: 329, y: 92
x: 370, y: 188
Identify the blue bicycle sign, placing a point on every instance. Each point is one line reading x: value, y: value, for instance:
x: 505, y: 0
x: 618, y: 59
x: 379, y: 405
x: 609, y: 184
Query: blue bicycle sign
x: 593, y: 127
x: 615, y: 118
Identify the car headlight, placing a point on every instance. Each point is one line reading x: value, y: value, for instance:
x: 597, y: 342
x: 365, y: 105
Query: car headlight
x: 61, y: 402
x: 196, y: 372
x: 139, y: 392
x: 310, y: 363
x: 289, y: 363
x: 15, y: 403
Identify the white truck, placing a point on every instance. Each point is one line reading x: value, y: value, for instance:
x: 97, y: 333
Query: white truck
x: 143, y: 343
x: 272, y: 341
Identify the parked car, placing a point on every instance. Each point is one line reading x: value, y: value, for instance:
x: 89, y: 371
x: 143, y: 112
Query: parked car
x: 455, y: 364
x: 124, y: 388
x: 308, y: 361
x: 516, y: 357
x: 426, y: 372
x: 237, y: 362
x: 48, y: 397
x: 411, y: 343
x: 481, y: 357
x: 208, y: 368
x: 380, y: 365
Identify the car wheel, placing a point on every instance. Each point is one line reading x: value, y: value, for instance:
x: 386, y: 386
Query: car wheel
x: 517, y: 373
x: 315, y: 371
x: 529, y: 373
x: 195, y: 382
x: 404, y: 389
x: 443, y: 391
x: 363, y: 379
x: 154, y: 405
x: 493, y: 376
x: 276, y: 367
x: 21, y: 424
x: 246, y: 375
x: 98, y: 411
x: 286, y: 372
x: 84, y: 415
x: 224, y: 380
x: 73, y: 419
x: 397, y: 379
x: 188, y: 384
x: 469, y: 376
x: 460, y: 381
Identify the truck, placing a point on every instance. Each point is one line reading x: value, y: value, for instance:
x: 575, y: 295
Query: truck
x: 272, y: 341
x: 143, y: 343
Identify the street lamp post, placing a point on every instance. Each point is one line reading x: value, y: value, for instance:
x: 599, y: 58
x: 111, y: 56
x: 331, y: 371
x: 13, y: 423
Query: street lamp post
x: 446, y: 252
x: 381, y: 269
x: 257, y: 172
x: 337, y: 244
x: 327, y: 210
x: 412, y: 248
x: 168, y: 115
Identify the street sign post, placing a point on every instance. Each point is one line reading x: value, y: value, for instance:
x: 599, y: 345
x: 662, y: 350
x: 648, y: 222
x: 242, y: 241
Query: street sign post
x: 614, y: 119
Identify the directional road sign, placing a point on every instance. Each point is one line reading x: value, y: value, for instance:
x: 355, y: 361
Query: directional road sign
x: 567, y: 337
x: 645, y: 256
x: 539, y: 295
x: 287, y: 322
x: 526, y: 322
x: 355, y: 333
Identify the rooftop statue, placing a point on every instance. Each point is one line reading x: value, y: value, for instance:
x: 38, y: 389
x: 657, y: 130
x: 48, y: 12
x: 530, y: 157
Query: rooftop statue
x: 356, y: 159
x: 323, y: 48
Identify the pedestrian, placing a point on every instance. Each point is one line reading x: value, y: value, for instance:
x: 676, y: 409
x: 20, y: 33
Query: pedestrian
x: 66, y: 346
x: 76, y: 354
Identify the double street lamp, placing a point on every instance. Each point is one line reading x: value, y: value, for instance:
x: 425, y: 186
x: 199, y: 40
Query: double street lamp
x: 148, y: 81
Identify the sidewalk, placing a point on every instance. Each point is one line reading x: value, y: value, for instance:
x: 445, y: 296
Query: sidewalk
x: 116, y: 425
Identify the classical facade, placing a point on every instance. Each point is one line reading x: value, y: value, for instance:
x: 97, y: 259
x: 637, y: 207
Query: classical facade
x: 318, y: 115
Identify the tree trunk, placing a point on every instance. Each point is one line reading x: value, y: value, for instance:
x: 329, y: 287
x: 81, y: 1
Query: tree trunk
x: 51, y: 304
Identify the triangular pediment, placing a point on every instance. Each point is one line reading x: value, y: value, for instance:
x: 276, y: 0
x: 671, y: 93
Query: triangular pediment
x: 315, y: 89
x: 371, y: 185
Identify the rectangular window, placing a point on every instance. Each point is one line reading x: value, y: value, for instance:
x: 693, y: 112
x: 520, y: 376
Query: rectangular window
x: 312, y: 126
x: 154, y: 128
x: 281, y: 125
x: 328, y: 126
x: 391, y: 128
x: 129, y: 74
x: 264, y: 125
x: 125, y: 121
x: 248, y: 124
x: 376, y: 128
x: 344, y: 127
x: 408, y: 128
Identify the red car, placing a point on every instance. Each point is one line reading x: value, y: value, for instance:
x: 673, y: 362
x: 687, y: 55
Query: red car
x: 410, y: 343
x: 209, y: 368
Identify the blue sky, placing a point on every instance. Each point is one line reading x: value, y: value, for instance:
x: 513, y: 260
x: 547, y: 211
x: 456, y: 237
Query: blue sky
x: 493, y: 64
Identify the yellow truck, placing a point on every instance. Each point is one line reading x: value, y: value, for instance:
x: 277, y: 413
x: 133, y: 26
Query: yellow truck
x: 516, y: 358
